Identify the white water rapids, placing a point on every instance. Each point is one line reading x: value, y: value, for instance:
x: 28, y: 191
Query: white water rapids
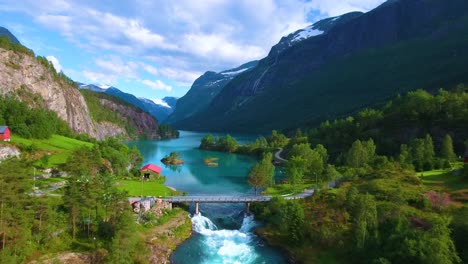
x: 226, y: 246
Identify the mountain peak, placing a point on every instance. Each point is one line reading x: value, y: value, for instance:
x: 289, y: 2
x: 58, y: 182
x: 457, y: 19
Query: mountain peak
x: 316, y: 29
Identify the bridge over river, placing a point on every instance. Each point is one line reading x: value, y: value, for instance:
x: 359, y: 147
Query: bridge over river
x: 247, y: 199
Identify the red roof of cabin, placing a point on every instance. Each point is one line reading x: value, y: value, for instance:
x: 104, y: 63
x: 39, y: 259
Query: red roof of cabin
x: 151, y: 167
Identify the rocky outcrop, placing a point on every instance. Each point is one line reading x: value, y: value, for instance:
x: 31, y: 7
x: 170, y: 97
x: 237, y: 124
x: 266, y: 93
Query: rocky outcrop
x: 108, y: 129
x: 8, y: 152
x: 159, y: 109
x: 23, y: 73
x: 144, y: 124
x: 23, y: 76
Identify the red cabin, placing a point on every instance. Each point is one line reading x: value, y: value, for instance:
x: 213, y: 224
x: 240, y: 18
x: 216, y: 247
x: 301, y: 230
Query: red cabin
x: 150, y: 168
x: 4, y: 133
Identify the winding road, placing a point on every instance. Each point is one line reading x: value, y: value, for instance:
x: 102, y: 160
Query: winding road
x: 278, y: 157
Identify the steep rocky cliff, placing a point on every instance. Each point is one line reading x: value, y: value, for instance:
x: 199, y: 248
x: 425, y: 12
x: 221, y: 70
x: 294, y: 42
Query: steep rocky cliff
x: 30, y: 80
x: 143, y: 124
x: 21, y: 72
x: 331, y: 71
x: 159, y: 109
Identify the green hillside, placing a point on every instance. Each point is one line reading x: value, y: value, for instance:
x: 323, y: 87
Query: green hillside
x: 58, y: 147
x: 99, y: 113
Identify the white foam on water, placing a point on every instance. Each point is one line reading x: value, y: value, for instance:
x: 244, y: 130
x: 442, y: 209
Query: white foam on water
x: 226, y: 246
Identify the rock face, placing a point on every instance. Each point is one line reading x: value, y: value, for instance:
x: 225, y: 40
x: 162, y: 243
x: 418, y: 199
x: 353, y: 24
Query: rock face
x: 20, y: 71
x: 23, y: 76
x: 8, y: 152
x: 159, y: 109
x: 144, y: 124
x: 342, y: 64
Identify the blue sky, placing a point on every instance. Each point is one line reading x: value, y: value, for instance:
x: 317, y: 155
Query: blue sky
x: 158, y: 48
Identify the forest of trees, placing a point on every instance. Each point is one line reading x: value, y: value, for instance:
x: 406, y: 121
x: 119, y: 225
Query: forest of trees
x: 380, y: 212
x: 30, y: 122
x: 258, y: 148
x: 413, y: 115
x: 91, y: 214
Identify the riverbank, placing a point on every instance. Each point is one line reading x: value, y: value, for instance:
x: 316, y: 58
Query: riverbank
x: 162, y: 240
x: 295, y: 254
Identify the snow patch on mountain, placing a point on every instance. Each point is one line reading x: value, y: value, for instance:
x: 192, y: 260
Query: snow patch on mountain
x: 230, y: 73
x: 306, y: 33
x: 103, y: 86
x: 160, y: 102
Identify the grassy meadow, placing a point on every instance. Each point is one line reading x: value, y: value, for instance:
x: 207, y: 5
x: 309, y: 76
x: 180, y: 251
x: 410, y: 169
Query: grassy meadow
x: 58, y: 147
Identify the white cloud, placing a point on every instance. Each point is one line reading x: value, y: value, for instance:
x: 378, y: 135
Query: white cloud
x: 55, y: 62
x: 179, y: 75
x: 182, y: 38
x: 339, y: 7
x: 115, y: 65
x: 157, y: 85
x: 150, y: 69
x: 98, y: 77
x: 218, y: 47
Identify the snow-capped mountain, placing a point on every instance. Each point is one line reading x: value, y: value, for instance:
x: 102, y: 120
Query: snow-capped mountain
x: 158, y: 108
x: 203, y: 90
x: 318, y: 28
x: 96, y: 88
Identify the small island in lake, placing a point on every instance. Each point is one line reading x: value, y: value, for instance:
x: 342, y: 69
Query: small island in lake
x: 211, y: 162
x: 172, y: 159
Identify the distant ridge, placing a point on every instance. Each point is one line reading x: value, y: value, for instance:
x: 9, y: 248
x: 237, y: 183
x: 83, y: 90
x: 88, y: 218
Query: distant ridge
x: 6, y: 33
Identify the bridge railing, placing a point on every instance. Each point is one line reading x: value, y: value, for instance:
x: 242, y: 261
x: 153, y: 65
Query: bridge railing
x: 221, y: 199
x: 233, y: 199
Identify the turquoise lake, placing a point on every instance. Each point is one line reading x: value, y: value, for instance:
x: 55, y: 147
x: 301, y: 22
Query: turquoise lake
x: 222, y: 232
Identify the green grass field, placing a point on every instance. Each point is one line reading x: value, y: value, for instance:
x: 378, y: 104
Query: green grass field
x: 447, y: 181
x: 444, y: 178
x: 59, y: 147
x: 146, y: 188
x: 285, y: 189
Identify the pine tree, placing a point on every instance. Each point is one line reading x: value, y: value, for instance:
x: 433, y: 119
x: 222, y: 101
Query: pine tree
x: 447, y: 149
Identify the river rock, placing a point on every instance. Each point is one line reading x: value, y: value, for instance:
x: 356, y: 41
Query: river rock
x: 8, y: 152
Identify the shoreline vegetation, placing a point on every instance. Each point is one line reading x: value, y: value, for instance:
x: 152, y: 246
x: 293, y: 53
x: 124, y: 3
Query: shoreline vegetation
x: 401, y: 189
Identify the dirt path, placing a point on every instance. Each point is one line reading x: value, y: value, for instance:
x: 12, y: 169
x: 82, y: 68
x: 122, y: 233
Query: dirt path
x: 162, y: 240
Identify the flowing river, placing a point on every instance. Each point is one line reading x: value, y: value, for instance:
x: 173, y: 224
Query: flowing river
x: 222, y: 233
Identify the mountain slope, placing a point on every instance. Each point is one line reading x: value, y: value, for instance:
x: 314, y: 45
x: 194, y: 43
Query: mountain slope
x: 159, y: 110
x: 203, y: 90
x: 121, y: 117
x: 399, y: 46
x: 34, y: 80
x: 6, y: 33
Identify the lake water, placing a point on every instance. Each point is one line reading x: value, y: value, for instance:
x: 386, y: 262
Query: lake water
x: 222, y: 233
